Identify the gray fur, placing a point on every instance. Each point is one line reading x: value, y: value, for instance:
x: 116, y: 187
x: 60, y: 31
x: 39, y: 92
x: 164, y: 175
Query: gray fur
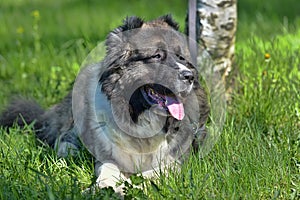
x: 127, y: 64
x: 21, y: 111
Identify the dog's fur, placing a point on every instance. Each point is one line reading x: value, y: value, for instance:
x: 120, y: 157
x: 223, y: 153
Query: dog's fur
x: 138, y: 52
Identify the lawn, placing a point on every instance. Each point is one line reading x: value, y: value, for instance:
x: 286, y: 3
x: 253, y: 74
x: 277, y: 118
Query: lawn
x: 258, y: 153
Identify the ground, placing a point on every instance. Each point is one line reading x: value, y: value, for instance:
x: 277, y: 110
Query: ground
x: 258, y: 154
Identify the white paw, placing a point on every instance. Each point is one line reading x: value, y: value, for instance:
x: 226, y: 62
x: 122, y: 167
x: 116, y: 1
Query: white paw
x: 108, y: 176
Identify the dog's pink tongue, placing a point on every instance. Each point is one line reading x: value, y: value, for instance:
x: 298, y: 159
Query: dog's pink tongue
x: 175, y: 108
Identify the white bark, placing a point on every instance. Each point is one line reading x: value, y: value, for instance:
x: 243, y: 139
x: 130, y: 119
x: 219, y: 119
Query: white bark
x: 218, y: 19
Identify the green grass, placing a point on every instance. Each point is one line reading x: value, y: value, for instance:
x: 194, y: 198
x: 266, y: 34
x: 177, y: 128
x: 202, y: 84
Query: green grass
x: 258, y: 153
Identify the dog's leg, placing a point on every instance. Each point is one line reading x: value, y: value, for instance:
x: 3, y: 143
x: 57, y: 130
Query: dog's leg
x: 67, y: 143
x: 108, y: 176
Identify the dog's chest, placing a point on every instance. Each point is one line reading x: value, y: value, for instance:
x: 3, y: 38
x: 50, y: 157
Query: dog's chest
x: 130, y: 160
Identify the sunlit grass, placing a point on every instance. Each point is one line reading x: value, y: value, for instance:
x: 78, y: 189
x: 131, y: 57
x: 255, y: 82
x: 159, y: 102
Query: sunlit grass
x: 258, y: 154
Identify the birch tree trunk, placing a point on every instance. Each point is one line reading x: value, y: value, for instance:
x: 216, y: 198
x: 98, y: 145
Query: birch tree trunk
x: 216, y: 30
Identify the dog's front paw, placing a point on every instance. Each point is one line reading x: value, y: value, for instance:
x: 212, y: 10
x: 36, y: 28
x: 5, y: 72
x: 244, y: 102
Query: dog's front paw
x: 108, y: 176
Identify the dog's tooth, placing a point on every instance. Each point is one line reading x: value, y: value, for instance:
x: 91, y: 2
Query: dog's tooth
x: 152, y: 91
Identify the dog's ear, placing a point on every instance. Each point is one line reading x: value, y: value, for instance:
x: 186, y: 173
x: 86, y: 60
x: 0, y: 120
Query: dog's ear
x: 128, y: 24
x: 170, y: 21
x: 115, y: 39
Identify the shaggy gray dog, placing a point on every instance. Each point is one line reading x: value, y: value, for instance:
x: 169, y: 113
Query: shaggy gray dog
x: 139, y: 109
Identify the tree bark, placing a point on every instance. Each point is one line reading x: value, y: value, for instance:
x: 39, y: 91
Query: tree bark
x: 216, y: 28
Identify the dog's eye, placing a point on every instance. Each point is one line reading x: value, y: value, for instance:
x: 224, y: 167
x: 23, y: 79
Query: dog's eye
x: 180, y: 57
x: 157, y: 56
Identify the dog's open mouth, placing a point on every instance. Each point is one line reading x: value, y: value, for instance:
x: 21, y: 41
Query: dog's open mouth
x: 163, y: 97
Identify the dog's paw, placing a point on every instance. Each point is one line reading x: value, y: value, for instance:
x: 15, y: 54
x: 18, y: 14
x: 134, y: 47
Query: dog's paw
x: 66, y: 148
x: 109, y: 175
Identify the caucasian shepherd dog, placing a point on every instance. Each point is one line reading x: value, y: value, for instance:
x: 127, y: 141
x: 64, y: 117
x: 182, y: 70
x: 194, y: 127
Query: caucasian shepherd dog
x: 141, y: 108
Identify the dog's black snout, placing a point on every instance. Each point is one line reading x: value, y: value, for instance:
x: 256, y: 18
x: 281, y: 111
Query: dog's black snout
x: 186, y: 75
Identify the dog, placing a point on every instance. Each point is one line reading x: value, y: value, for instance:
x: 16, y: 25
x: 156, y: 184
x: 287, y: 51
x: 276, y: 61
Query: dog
x: 140, y: 109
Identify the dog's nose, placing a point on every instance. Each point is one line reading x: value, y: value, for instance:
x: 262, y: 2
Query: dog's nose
x: 186, y: 75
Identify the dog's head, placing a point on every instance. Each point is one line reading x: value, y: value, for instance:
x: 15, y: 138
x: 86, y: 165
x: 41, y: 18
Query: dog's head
x: 149, y: 65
